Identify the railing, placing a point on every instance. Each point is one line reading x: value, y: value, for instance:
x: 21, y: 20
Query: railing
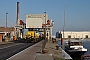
x: 85, y: 57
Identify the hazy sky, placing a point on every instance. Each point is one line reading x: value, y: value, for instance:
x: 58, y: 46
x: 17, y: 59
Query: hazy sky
x: 77, y: 12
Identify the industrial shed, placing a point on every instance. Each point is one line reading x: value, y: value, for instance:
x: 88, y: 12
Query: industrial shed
x: 74, y: 34
x: 9, y: 30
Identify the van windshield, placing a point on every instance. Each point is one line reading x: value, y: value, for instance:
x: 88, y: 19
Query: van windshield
x: 75, y: 43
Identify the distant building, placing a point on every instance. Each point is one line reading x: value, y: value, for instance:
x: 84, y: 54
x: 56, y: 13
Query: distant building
x: 74, y: 34
x: 8, y: 30
x: 58, y: 34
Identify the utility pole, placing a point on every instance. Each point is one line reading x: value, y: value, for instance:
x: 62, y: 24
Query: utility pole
x: 63, y: 27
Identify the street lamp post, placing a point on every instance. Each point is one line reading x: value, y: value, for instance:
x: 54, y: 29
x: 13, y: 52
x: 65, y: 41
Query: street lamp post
x: 6, y: 25
x: 6, y: 19
x: 43, y: 42
x: 45, y: 27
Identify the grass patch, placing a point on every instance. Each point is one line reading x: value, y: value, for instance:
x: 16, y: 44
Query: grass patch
x: 57, y: 58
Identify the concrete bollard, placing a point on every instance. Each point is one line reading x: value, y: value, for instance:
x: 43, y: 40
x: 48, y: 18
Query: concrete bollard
x: 45, y: 51
x: 57, y: 47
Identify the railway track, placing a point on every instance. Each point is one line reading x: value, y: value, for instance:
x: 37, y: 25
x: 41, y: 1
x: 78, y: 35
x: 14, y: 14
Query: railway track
x: 10, y: 49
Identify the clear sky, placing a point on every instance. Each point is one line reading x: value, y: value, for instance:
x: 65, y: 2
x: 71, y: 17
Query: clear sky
x: 77, y: 12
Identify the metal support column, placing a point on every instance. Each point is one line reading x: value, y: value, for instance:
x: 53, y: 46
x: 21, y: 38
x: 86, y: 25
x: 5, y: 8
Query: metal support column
x: 51, y: 33
x: 45, y: 27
